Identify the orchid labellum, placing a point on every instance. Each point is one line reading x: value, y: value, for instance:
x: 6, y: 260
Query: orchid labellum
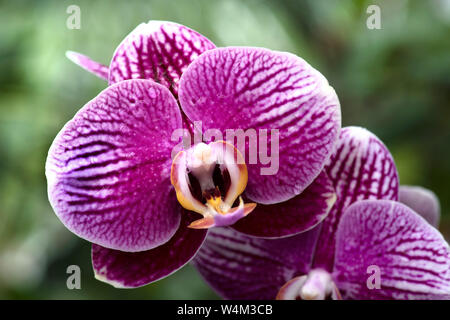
x: 111, y: 176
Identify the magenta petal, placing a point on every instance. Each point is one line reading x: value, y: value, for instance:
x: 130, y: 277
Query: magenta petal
x: 299, y: 214
x: 157, y: 50
x: 135, y: 269
x: 412, y: 257
x: 422, y: 201
x: 108, y: 170
x: 255, y: 88
x: 360, y: 168
x: 242, y: 267
x: 88, y: 64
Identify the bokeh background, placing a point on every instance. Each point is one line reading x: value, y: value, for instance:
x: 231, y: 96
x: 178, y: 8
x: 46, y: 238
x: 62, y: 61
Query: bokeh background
x: 394, y: 81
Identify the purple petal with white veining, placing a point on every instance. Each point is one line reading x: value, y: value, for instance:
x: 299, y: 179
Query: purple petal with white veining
x: 422, y: 201
x: 108, y: 170
x: 242, y: 267
x: 88, y: 64
x: 157, y: 50
x: 135, y: 269
x: 299, y: 214
x: 256, y: 88
x: 360, y: 168
x: 412, y: 257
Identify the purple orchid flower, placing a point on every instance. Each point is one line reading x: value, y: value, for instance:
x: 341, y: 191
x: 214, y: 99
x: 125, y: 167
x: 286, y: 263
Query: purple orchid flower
x: 367, y: 233
x: 114, y: 180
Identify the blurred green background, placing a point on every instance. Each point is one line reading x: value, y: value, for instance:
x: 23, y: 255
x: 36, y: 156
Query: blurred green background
x: 394, y: 81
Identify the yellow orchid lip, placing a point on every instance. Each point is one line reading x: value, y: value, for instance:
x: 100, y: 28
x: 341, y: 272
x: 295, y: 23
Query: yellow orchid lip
x: 208, y: 178
x: 214, y: 201
x: 224, y: 219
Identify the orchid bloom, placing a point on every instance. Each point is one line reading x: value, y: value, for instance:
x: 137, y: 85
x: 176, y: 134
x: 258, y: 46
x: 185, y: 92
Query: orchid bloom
x: 114, y: 180
x: 367, y: 234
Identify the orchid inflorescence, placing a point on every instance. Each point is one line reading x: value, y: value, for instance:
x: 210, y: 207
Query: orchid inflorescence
x: 150, y: 200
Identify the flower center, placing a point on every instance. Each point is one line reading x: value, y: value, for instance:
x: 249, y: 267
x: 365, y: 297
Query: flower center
x: 316, y: 285
x: 208, y: 178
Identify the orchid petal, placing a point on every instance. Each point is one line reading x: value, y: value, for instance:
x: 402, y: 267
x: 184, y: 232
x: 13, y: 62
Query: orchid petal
x: 422, y: 201
x: 360, y: 168
x: 386, y: 239
x: 296, y: 215
x: 88, y: 64
x: 135, y: 269
x: 157, y: 50
x: 108, y: 169
x: 242, y: 267
x: 276, y: 93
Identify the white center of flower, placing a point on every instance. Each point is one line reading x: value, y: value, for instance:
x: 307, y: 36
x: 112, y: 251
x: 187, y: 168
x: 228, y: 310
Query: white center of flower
x: 201, y: 164
x: 208, y: 178
x: 317, y: 286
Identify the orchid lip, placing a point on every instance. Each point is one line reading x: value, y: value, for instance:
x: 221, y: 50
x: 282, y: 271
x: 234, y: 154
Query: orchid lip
x: 208, y: 178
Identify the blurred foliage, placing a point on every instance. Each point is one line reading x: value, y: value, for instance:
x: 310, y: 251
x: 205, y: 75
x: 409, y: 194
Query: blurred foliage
x: 394, y: 81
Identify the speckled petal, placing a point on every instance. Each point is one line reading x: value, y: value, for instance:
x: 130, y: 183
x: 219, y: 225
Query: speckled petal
x: 108, y: 170
x: 242, y: 267
x: 253, y: 88
x: 412, y: 257
x: 157, y: 50
x: 360, y: 168
x: 422, y: 201
x: 88, y: 64
x: 135, y: 269
x: 299, y: 214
